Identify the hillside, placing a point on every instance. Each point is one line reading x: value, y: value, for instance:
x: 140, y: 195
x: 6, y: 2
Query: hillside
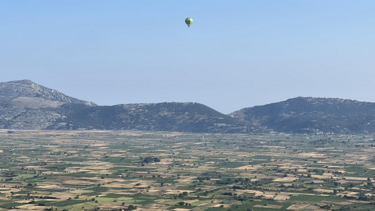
x: 27, y: 105
x: 310, y: 115
x: 182, y: 117
x: 25, y: 93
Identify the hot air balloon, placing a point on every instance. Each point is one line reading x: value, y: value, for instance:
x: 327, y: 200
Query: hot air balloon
x: 189, y: 21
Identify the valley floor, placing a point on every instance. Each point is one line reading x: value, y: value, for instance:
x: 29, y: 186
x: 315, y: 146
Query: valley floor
x: 132, y: 170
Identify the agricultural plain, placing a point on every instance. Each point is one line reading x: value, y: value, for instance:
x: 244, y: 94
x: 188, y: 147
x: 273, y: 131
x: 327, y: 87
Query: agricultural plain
x: 132, y: 170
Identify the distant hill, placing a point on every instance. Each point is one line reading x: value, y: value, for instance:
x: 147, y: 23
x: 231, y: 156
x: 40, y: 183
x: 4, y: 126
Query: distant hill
x: 183, y: 117
x: 25, y: 93
x: 311, y: 115
x: 27, y: 105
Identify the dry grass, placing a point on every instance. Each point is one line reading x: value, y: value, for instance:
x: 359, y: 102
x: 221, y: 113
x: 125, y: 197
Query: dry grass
x: 285, y: 179
x: 269, y: 206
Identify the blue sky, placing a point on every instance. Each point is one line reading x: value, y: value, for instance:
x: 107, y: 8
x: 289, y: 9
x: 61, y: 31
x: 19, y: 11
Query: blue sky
x: 237, y: 54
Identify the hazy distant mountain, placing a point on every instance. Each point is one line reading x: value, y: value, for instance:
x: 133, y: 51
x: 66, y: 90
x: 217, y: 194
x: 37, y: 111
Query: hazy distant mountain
x: 27, y: 105
x: 25, y: 93
x: 307, y: 114
x: 184, y: 117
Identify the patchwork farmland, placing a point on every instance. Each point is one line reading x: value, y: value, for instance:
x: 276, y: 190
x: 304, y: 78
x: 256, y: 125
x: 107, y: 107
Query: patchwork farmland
x: 131, y: 170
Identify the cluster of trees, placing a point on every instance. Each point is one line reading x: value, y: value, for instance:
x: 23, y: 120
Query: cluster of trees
x: 181, y: 195
x: 203, y: 178
x: 184, y: 204
x: 151, y: 160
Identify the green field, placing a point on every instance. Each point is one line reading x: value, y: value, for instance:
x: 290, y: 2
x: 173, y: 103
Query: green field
x: 125, y: 170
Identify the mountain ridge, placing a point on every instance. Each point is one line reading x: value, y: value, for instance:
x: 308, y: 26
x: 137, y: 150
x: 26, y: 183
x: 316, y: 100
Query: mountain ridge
x: 27, y: 91
x: 309, y: 114
x: 183, y: 117
x: 27, y: 105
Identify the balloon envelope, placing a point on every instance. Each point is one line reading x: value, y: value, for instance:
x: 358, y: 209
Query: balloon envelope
x: 189, y: 21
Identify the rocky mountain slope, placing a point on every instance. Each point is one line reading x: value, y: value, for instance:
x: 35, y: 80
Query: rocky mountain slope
x: 307, y: 114
x: 184, y: 117
x: 25, y: 93
x: 27, y: 105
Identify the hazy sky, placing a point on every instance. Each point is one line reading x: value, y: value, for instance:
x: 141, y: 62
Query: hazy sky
x: 238, y: 53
